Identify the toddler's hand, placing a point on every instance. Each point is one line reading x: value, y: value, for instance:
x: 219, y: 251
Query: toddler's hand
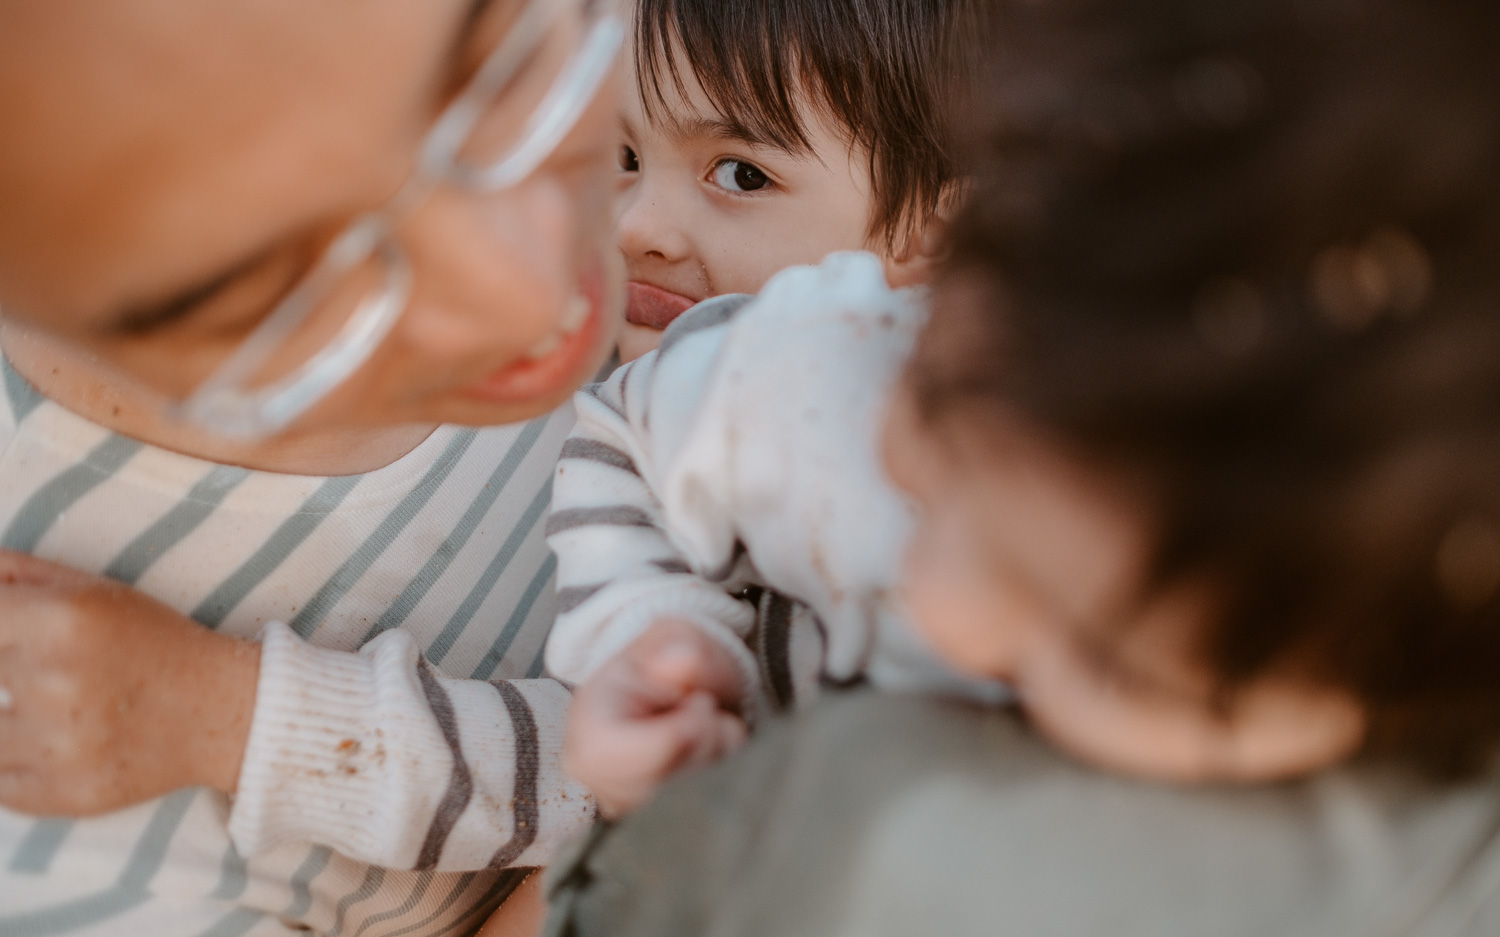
x: 661, y: 705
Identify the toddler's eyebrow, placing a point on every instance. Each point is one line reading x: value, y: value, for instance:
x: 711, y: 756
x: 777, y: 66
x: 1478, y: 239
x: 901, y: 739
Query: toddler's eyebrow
x: 717, y: 128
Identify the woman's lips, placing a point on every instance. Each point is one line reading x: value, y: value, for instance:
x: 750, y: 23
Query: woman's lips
x: 558, y: 367
x: 653, y: 306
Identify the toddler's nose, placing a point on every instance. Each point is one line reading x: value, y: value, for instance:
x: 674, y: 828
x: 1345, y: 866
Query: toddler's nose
x: 649, y: 229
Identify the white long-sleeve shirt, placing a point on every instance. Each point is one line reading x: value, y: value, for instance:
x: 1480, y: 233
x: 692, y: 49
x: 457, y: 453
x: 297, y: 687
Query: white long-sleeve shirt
x: 404, y: 749
x: 743, y: 452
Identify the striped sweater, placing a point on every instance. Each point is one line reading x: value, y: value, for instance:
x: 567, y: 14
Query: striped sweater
x: 403, y: 752
x: 738, y: 466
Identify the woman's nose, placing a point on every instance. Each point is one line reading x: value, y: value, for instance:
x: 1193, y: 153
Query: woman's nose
x: 493, y: 271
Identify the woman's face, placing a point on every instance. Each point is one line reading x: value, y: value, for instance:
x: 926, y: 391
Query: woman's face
x: 170, y: 167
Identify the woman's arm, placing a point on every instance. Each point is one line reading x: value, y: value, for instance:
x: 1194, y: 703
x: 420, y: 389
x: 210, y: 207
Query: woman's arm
x: 385, y: 759
x: 112, y: 699
x: 109, y: 698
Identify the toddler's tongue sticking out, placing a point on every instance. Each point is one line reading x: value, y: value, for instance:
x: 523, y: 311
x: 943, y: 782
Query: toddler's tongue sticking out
x: 653, y: 306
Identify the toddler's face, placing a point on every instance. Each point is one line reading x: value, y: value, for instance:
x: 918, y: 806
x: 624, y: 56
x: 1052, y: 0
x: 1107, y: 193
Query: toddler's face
x: 1024, y: 566
x: 705, y: 212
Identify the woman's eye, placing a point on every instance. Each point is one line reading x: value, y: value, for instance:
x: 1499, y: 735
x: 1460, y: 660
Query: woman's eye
x: 737, y: 175
x: 629, y: 162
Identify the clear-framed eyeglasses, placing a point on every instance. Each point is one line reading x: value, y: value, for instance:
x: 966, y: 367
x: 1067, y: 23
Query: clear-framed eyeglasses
x: 522, y: 101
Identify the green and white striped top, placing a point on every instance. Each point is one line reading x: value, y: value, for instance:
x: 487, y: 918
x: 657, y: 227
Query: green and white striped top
x: 404, y: 752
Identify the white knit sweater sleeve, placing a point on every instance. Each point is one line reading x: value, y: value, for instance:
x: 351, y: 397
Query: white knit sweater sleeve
x: 749, y: 441
x: 382, y: 758
x: 621, y: 563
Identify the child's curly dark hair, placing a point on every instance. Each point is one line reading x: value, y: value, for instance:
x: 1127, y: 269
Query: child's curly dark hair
x: 1249, y: 251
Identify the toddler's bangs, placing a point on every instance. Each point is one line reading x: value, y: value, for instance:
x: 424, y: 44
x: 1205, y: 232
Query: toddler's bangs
x: 739, y: 55
x: 883, y: 72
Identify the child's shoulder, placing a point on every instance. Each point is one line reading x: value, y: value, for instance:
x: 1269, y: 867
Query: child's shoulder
x: 840, y: 315
x: 811, y: 355
x: 880, y: 814
x: 847, y: 290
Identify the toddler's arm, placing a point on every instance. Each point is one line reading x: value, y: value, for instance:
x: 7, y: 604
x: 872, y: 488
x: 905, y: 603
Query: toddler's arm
x: 751, y: 439
x: 623, y: 562
x: 648, y: 626
x: 658, y: 707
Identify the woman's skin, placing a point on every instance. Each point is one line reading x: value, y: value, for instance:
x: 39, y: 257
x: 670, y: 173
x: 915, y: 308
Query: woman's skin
x: 154, y: 147
x: 166, y: 154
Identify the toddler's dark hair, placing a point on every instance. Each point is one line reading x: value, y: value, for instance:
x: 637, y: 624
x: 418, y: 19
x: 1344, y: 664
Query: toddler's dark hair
x: 882, y: 70
x: 1249, y: 251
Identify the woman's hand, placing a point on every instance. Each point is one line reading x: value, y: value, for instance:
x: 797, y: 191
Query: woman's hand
x: 109, y: 698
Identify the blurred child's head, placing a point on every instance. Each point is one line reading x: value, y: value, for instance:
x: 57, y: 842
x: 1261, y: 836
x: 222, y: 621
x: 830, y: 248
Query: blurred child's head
x: 769, y: 134
x: 1206, y: 425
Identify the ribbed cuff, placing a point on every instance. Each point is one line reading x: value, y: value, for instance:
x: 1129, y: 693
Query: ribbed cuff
x: 687, y: 598
x: 310, y: 770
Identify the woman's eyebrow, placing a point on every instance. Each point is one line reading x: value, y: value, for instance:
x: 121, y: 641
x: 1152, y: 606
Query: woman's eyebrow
x: 476, y: 11
x: 140, y: 319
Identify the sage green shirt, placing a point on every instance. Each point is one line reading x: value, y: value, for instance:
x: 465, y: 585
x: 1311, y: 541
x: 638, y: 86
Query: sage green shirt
x: 887, y: 815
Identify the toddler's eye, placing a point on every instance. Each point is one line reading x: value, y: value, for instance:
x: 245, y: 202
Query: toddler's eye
x: 629, y: 162
x: 736, y: 175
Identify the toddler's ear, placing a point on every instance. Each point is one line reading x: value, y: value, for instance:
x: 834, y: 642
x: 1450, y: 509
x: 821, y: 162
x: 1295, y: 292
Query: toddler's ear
x: 911, y: 261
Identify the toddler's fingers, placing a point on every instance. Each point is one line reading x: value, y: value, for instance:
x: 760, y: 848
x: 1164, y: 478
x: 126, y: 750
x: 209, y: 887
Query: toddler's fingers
x: 623, y: 761
x: 678, y: 653
x: 732, y: 733
x: 708, y: 733
x: 621, y: 689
